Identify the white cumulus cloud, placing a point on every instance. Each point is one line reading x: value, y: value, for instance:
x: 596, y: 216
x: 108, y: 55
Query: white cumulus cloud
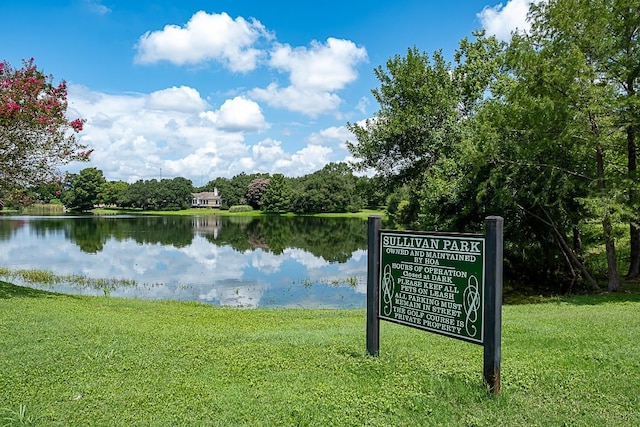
x: 136, y: 136
x: 268, y: 151
x: 174, y: 133
x: 331, y: 135
x: 309, y: 102
x: 328, y: 66
x: 180, y: 99
x: 315, y: 75
x: 501, y: 20
x: 306, y: 160
x: 238, y: 114
x: 205, y: 37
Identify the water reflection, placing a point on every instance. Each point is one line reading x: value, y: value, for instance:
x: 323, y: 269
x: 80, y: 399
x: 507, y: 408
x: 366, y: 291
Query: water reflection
x: 235, y: 261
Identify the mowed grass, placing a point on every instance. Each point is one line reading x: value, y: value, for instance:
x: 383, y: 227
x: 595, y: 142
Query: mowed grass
x: 362, y: 214
x: 79, y: 361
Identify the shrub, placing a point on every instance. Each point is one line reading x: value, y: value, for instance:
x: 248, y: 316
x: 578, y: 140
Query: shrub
x: 240, y: 208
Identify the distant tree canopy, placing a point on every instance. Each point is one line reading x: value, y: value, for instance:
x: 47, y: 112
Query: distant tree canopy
x: 83, y: 189
x: 331, y: 189
x: 166, y: 194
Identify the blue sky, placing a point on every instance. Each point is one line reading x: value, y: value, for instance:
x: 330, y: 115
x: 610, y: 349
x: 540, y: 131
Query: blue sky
x: 206, y: 89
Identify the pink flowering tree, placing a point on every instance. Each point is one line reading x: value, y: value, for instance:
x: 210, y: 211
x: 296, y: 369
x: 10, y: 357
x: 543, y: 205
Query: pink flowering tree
x: 36, y: 137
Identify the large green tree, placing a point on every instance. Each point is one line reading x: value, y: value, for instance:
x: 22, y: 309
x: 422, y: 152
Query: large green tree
x: 622, y: 67
x: 538, y: 167
x: 563, y: 61
x: 84, y: 189
x: 112, y: 192
x: 372, y: 191
x: 177, y: 193
x: 277, y: 196
x: 331, y: 189
x: 605, y: 33
x: 417, y: 122
x: 418, y: 140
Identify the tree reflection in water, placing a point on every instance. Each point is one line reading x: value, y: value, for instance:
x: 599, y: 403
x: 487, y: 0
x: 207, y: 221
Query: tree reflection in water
x: 240, y: 261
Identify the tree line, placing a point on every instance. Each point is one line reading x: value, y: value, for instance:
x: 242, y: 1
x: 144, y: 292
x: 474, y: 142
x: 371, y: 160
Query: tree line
x: 334, y: 188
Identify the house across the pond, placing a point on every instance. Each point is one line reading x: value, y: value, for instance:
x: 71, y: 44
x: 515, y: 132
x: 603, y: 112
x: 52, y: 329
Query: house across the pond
x: 206, y: 199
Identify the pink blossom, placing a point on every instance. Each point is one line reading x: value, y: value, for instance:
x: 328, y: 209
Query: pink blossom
x: 12, y: 105
x: 76, y: 125
x: 85, y: 154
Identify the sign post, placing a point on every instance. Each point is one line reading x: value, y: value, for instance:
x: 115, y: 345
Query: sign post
x: 373, y: 322
x: 445, y: 283
x: 493, y: 302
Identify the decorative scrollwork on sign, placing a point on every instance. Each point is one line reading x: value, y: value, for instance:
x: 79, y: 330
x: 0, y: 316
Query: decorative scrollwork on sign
x: 388, y: 286
x: 471, y: 303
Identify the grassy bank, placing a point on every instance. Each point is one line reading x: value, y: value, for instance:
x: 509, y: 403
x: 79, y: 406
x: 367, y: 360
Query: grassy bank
x: 58, y: 209
x: 70, y: 360
x: 363, y: 214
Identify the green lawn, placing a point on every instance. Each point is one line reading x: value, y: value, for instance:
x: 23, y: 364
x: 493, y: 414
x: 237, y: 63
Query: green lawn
x: 76, y: 361
x: 363, y: 214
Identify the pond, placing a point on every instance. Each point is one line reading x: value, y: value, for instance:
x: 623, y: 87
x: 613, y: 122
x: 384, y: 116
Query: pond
x: 249, y: 262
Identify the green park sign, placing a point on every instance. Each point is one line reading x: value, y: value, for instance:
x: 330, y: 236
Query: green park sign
x: 433, y: 282
x: 446, y: 283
